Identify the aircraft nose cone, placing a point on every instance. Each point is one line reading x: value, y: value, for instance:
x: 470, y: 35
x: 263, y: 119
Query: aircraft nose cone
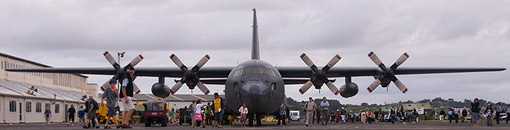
x: 254, y: 88
x: 256, y: 95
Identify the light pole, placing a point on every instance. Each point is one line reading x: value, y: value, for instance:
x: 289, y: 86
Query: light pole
x: 119, y: 55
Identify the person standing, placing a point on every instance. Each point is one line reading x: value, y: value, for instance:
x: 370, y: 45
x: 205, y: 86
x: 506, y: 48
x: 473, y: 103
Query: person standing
x: 242, y: 112
x: 192, y: 112
x: 376, y: 116
x: 325, y: 111
x: 47, y: 115
x: 464, y: 114
x: 111, y: 96
x: 81, y: 115
x: 392, y: 113
x: 207, y: 113
x: 90, y: 108
x: 218, y: 110
x: 71, y: 114
x: 498, y: 110
x: 282, y: 114
x: 441, y: 115
x: 475, y: 111
x: 489, y: 112
x: 415, y: 116
x: 507, y: 113
x: 456, y: 113
x: 369, y: 116
x: 310, y: 108
x: 126, y: 94
x: 198, y: 114
x: 172, y: 116
x: 337, y: 116
x: 450, y: 114
x: 343, y: 115
x: 483, y: 117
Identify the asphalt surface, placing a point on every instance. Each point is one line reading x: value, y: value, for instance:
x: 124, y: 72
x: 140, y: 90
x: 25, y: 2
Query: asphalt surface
x: 292, y: 126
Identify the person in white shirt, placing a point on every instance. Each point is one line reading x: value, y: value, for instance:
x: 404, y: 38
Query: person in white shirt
x: 199, y: 112
x: 243, y: 111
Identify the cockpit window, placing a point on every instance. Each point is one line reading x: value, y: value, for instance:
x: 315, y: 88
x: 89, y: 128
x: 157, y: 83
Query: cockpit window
x: 254, y: 69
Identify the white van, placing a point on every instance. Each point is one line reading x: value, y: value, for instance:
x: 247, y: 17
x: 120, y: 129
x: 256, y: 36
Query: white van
x: 294, y: 116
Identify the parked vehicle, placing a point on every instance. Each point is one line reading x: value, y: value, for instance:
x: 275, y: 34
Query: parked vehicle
x: 294, y: 116
x: 155, y: 113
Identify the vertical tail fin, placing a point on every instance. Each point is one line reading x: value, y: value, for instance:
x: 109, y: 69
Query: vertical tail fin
x: 255, y: 53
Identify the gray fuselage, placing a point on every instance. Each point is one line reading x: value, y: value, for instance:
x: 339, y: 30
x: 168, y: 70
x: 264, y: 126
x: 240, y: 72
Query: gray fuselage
x: 256, y: 83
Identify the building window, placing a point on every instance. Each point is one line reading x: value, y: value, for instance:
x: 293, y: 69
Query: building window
x: 46, y: 106
x: 38, y: 106
x: 29, y: 106
x: 57, y: 108
x: 12, y: 106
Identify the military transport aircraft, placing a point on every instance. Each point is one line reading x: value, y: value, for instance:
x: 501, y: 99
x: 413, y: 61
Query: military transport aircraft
x: 257, y: 83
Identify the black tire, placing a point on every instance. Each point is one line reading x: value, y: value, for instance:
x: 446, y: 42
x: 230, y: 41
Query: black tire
x: 148, y: 123
x: 163, y: 123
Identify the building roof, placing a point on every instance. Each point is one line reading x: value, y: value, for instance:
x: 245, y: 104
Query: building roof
x: 31, y: 62
x: 24, y: 60
x: 18, y: 89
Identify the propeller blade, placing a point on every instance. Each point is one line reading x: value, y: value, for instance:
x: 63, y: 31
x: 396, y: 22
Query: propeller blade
x: 307, y: 60
x: 177, y: 62
x: 399, y: 61
x: 376, y: 60
x: 331, y: 63
x: 176, y: 87
x: 135, y: 61
x: 105, y: 85
x: 136, y: 90
x: 374, y: 85
x: 305, y: 87
x: 112, y: 61
x: 400, y: 86
x: 202, y: 87
x: 203, y: 61
x: 332, y: 87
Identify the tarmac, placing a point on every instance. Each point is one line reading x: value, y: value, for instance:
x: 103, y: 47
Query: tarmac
x: 290, y: 126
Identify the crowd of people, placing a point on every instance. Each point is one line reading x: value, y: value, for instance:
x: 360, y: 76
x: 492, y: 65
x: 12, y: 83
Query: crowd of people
x: 212, y: 114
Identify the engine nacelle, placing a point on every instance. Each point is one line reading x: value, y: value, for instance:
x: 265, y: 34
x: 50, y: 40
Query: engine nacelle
x: 160, y: 90
x: 349, y: 90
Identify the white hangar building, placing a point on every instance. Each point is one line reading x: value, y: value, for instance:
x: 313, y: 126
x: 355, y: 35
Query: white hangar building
x: 19, y: 103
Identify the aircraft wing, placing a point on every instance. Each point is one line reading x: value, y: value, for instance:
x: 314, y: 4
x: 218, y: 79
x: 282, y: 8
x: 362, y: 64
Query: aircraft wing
x: 286, y: 72
x: 305, y: 72
x: 206, y: 72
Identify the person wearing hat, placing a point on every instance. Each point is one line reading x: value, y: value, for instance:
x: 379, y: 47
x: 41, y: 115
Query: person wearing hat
x: 126, y: 95
x: 489, y: 112
x: 310, y: 108
x: 111, y: 96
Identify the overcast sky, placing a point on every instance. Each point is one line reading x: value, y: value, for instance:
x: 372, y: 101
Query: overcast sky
x: 451, y: 33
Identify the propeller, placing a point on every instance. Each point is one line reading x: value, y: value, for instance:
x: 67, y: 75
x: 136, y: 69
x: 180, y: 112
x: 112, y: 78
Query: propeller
x: 121, y: 72
x: 190, y: 77
x: 387, y: 74
x: 319, y: 76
